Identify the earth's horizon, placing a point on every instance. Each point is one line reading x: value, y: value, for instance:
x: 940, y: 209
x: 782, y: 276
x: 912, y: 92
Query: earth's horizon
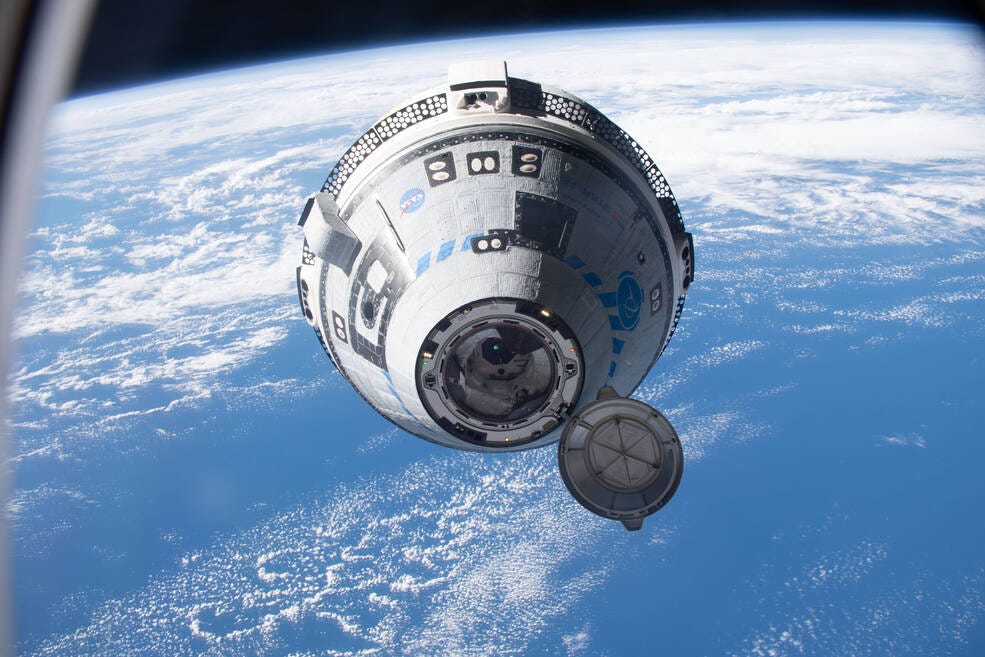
x: 191, y: 476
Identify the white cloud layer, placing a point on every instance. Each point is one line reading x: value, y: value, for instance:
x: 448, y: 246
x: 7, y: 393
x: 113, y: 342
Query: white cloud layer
x: 424, y: 562
x: 163, y: 262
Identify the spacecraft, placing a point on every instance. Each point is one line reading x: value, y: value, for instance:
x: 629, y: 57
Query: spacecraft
x: 495, y: 266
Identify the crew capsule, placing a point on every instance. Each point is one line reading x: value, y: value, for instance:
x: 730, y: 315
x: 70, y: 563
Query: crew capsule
x: 495, y: 266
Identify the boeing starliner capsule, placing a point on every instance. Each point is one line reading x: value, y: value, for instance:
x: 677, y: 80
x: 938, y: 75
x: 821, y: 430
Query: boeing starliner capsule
x: 495, y: 265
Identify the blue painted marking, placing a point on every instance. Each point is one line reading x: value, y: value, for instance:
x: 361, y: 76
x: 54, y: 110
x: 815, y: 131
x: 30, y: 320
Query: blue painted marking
x: 574, y: 262
x: 617, y: 345
x: 446, y: 250
x: 467, y: 244
x: 615, y: 323
x: 612, y: 369
x: 423, y: 263
x: 393, y: 391
x: 608, y: 299
x: 592, y: 279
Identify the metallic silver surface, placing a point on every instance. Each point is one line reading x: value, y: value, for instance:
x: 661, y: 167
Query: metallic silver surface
x: 487, y: 218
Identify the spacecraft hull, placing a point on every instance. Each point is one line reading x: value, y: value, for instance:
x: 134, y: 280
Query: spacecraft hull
x: 488, y: 257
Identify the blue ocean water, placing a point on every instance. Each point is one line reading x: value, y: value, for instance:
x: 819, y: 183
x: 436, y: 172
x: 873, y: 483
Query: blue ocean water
x: 745, y: 520
x: 176, y: 496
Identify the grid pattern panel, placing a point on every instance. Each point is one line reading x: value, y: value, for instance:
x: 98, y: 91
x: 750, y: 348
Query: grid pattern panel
x: 523, y: 95
x: 379, y: 133
x: 595, y: 122
x: 526, y: 95
x: 677, y: 318
x: 411, y: 114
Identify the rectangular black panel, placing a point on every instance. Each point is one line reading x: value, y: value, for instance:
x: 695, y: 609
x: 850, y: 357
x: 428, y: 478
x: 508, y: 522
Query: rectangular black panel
x: 478, y: 84
x: 482, y: 162
x: 545, y: 221
x: 440, y: 169
x: 527, y: 161
x: 303, y: 295
x: 338, y: 327
x: 306, y: 211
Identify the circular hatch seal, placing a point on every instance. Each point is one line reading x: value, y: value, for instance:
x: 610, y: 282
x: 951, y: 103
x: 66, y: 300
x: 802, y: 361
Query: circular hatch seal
x: 499, y: 372
x: 621, y: 459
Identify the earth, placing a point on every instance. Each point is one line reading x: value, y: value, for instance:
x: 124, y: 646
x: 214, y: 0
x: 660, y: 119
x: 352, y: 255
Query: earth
x: 192, y: 476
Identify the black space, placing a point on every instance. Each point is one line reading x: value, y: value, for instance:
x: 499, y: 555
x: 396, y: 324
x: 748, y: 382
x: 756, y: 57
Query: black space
x: 136, y: 41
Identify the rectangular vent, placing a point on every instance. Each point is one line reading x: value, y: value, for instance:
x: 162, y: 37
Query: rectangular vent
x: 440, y: 169
x: 527, y: 161
x: 482, y: 162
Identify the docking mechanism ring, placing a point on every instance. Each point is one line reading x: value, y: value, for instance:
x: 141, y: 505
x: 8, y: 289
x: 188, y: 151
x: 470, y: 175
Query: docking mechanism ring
x: 499, y: 372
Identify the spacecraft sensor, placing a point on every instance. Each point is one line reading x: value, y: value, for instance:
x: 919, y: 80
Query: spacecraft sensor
x: 495, y: 266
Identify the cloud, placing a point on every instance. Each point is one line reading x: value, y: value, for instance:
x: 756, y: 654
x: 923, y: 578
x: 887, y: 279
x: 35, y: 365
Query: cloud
x: 903, y: 440
x: 163, y: 266
x: 577, y: 643
x: 838, y: 605
x: 411, y: 563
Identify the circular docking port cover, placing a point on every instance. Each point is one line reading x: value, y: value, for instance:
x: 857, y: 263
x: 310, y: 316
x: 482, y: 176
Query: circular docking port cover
x: 621, y: 459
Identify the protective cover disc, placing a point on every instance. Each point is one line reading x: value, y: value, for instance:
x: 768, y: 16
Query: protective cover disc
x: 621, y: 459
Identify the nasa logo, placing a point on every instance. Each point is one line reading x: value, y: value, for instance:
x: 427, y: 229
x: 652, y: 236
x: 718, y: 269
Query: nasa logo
x: 411, y: 201
x: 629, y: 299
